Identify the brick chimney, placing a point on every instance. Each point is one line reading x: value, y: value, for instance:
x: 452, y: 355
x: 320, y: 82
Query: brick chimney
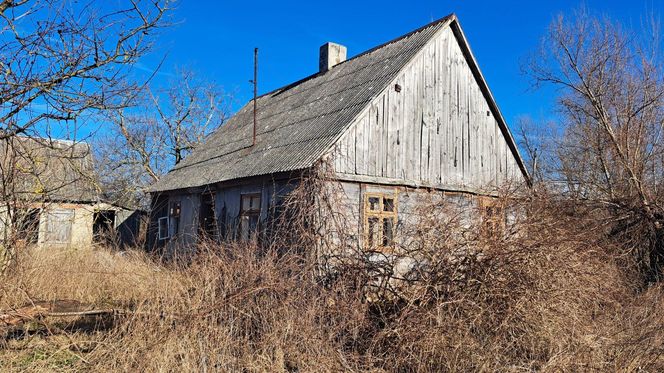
x: 331, y: 54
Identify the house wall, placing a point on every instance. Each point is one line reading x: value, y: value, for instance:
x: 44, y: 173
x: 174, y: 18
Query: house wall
x: 76, y: 223
x: 130, y: 226
x: 349, y: 199
x: 226, y: 207
x: 228, y: 201
x: 345, y: 219
x: 437, y: 131
x: 187, y: 226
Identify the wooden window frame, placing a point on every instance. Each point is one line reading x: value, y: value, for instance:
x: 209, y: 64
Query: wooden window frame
x: 492, y: 214
x: 249, y: 214
x: 380, y: 215
x: 161, y: 237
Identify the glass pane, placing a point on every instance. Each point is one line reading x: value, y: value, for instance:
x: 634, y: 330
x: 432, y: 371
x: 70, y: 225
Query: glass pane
x: 253, y: 223
x: 163, y: 228
x: 373, y: 203
x: 372, y: 238
x: 388, y: 231
x: 256, y: 203
x: 244, y: 228
x: 388, y: 204
x: 246, y: 203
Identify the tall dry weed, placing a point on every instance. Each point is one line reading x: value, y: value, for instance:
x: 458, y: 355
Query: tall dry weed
x: 543, y: 293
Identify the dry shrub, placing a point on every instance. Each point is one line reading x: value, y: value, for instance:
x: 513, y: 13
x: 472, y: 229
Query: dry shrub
x: 543, y: 293
x: 235, y: 309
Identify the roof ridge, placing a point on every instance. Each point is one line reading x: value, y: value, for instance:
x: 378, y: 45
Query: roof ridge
x: 398, y: 38
x: 450, y: 16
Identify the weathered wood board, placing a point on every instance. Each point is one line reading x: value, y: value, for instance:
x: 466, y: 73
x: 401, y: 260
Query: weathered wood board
x: 434, y: 125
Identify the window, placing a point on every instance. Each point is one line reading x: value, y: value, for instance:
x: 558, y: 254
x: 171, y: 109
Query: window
x: 493, y: 215
x: 250, y: 209
x: 207, y: 219
x: 380, y: 220
x: 173, y: 220
x: 58, y: 226
x: 163, y: 228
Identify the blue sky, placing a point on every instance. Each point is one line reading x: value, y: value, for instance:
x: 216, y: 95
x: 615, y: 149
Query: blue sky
x: 216, y: 39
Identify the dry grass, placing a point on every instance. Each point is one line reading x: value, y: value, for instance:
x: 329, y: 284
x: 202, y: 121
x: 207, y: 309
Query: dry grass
x: 543, y: 296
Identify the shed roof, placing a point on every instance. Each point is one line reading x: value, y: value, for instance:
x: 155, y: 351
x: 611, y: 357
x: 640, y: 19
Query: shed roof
x: 49, y: 169
x: 298, y: 123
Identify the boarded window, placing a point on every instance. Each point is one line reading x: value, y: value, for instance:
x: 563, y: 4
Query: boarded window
x: 58, y: 225
x: 380, y: 220
x: 250, y: 209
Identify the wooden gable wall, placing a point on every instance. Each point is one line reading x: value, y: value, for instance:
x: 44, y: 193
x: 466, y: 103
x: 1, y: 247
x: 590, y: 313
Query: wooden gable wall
x: 437, y: 131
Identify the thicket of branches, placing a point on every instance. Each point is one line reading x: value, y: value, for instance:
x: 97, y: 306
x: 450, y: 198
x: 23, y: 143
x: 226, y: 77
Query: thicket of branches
x: 155, y: 129
x: 538, y: 293
x: 609, y: 158
x: 61, y: 63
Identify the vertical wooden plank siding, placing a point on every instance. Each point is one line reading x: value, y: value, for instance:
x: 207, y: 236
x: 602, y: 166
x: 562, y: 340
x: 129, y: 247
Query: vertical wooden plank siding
x: 438, y: 129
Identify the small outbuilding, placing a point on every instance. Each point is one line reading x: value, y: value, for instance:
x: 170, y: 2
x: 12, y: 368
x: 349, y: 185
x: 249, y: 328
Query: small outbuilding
x: 51, y: 197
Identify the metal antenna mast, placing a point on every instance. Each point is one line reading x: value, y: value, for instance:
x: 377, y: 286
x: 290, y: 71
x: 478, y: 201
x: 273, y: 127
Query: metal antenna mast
x: 255, y: 81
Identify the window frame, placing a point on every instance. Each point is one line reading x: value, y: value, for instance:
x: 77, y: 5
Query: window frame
x: 248, y: 214
x: 379, y: 215
x: 492, y: 214
x: 161, y: 237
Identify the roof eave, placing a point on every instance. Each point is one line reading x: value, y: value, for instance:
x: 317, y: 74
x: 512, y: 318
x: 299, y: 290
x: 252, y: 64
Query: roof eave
x: 484, y: 87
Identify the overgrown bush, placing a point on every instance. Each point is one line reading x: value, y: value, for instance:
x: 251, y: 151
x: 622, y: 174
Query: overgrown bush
x: 542, y: 293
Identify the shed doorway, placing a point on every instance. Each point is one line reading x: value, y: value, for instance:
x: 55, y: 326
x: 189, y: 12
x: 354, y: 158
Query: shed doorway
x: 28, y: 226
x: 208, y: 222
x: 103, y: 227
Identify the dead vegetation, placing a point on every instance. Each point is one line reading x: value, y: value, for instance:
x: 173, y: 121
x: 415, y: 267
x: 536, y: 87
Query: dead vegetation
x: 542, y: 293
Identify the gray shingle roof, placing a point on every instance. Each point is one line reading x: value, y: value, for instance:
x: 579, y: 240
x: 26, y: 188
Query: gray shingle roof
x: 299, y: 122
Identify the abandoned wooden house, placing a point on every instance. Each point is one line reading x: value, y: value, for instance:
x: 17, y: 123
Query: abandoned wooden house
x: 405, y: 119
x: 51, y: 198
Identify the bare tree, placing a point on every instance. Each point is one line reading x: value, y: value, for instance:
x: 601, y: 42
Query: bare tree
x: 59, y: 62
x: 59, y: 59
x: 537, y: 141
x: 612, y: 104
x: 160, y: 128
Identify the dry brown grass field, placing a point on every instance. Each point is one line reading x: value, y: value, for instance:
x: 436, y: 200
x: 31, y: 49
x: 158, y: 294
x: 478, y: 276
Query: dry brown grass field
x: 545, y: 295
